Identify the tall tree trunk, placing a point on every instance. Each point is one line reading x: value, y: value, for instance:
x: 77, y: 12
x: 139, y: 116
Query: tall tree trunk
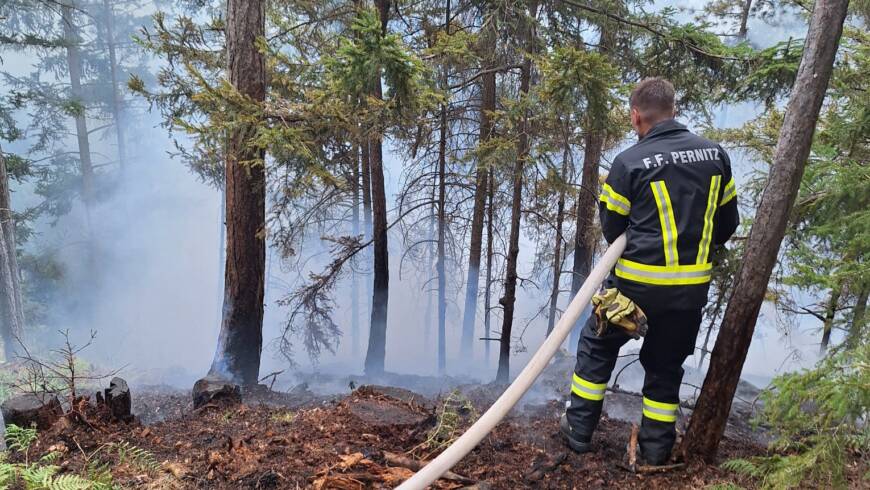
x: 856, y: 328
x: 74, y: 66
x: 510, y: 284
x: 793, y: 147
x: 557, y: 247
x: 355, y: 229
x: 117, y: 98
x: 587, y: 204
x: 585, y: 236
x: 241, y: 338
x: 11, y: 311
x: 487, y: 287
x: 430, y: 266
x: 744, y: 19
x: 376, y: 353
x: 442, y: 217
x: 487, y: 107
x: 366, y: 171
x: 830, y: 314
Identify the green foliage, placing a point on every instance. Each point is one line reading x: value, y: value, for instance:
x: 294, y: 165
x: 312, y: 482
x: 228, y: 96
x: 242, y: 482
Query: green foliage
x: 43, y: 474
x: 815, y: 417
x: 19, y: 439
x: 360, y: 59
x: 582, y: 83
x: 140, y: 458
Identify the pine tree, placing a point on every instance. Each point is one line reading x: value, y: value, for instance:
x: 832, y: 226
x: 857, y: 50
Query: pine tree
x: 708, y: 420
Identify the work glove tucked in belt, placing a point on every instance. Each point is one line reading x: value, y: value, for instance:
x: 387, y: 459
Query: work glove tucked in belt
x: 613, y: 310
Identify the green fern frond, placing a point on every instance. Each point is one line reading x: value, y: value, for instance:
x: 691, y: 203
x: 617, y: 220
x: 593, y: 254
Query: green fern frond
x: 138, y: 457
x: 69, y: 482
x: 19, y: 439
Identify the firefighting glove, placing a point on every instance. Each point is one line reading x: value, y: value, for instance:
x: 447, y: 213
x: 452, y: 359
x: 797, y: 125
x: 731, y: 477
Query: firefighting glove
x: 614, y: 310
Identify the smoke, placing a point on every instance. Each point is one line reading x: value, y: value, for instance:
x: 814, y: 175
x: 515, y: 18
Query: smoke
x: 155, y: 296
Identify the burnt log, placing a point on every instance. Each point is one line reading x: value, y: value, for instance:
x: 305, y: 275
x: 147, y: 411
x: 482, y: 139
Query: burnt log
x: 41, y: 409
x: 213, y: 389
x: 118, y: 399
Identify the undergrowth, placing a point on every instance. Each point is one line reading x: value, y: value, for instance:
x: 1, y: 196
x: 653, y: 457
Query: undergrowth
x: 819, y: 420
x: 43, y: 473
x: 449, y: 418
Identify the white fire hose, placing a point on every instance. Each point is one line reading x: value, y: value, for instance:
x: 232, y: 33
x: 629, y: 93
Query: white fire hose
x: 524, y: 381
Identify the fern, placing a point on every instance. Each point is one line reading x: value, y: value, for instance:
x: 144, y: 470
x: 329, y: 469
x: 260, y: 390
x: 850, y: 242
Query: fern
x: 42, y: 474
x: 138, y: 457
x: 19, y: 439
x: 69, y: 482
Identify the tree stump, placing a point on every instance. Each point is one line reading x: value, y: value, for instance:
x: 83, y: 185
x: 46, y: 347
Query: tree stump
x: 213, y: 389
x: 42, y: 409
x: 118, y: 399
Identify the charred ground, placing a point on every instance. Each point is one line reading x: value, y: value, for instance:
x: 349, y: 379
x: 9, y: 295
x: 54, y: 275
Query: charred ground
x: 362, y: 440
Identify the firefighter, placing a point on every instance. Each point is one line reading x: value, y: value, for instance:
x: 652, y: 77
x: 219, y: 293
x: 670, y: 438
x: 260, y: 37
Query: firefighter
x: 673, y: 195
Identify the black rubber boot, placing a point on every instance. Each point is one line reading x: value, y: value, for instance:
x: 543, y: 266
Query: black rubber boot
x: 576, y: 442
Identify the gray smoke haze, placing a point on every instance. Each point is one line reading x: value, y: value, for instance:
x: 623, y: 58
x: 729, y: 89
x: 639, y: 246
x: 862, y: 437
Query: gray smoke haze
x: 157, y: 302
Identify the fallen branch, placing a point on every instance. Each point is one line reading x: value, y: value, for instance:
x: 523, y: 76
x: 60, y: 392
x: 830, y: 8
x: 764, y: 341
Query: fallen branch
x: 414, y: 465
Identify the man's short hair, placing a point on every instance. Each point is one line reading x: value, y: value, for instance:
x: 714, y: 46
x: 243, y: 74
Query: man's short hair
x: 653, y: 97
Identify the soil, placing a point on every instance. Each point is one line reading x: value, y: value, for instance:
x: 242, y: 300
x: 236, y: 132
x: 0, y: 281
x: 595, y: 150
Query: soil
x: 277, y: 440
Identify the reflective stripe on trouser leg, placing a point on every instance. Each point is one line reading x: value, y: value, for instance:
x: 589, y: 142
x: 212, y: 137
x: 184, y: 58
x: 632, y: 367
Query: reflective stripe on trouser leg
x: 596, y: 357
x: 587, y: 389
x: 662, y: 412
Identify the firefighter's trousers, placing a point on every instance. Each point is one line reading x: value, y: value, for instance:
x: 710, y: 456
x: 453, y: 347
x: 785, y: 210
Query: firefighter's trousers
x: 669, y: 341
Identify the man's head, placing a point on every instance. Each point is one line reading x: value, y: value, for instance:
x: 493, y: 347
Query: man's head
x: 651, y: 101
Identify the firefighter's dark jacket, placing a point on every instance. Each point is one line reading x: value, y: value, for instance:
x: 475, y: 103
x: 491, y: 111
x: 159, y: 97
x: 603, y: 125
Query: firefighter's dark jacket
x: 674, y: 195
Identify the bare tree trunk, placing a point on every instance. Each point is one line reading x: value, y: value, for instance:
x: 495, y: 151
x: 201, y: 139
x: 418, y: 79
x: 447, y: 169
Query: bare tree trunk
x: 830, y: 314
x: 793, y: 147
x: 442, y: 221
x: 508, y: 301
x: 430, y: 266
x: 587, y: 205
x: 856, y: 328
x: 11, y: 311
x: 74, y: 65
x: 117, y: 98
x: 376, y: 353
x: 487, y: 107
x: 366, y: 187
x: 241, y: 338
x: 442, y: 279
x: 487, y: 288
x: 744, y: 18
x: 366, y: 171
x: 585, y: 236
x: 557, y: 247
x: 355, y: 229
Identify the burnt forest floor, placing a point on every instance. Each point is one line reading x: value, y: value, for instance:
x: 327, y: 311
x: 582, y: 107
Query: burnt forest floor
x: 299, y: 440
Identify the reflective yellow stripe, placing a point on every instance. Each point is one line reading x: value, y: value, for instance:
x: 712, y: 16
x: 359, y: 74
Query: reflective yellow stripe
x: 663, y: 412
x: 587, y: 389
x: 658, y: 416
x: 615, y: 201
x: 707, y: 233
x: 663, y: 275
x: 666, y: 217
x: 730, y: 192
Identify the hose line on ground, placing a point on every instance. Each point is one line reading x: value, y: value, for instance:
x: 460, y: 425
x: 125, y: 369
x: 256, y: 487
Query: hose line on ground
x: 524, y: 381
